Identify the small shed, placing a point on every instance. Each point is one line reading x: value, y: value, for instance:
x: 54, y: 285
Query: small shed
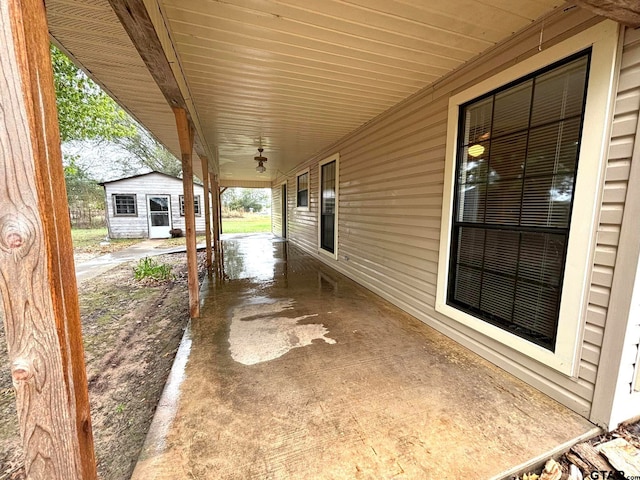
x: 149, y: 206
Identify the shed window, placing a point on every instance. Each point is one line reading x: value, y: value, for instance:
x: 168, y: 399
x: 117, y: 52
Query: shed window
x: 517, y: 158
x: 125, y: 205
x: 303, y: 190
x: 196, y: 205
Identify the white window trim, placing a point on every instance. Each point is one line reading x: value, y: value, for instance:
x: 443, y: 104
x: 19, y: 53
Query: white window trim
x: 302, y: 172
x: 603, y: 38
x: 322, y: 251
x: 115, y: 207
x: 181, y: 205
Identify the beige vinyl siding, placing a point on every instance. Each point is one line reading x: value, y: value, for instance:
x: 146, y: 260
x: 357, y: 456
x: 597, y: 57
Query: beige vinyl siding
x: 143, y: 186
x: 276, y: 210
x: 391, y: 187
x: 618, y: 223
x: 615, y: 191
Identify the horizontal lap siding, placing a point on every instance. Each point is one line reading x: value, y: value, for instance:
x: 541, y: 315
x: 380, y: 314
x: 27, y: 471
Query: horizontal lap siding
x: 303, y: 221
x: 624, y: 146
x: 390, y: 202
x: 276, y: 210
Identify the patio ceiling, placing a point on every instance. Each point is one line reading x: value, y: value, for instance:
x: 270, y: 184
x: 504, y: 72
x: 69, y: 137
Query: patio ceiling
x: 296, y: 74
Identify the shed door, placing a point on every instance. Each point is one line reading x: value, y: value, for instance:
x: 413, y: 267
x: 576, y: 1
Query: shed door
x: 159, y: 208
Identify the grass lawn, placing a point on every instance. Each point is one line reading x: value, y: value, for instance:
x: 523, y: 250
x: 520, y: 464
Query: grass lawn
x: 248, y: 224
x: 87, y: 240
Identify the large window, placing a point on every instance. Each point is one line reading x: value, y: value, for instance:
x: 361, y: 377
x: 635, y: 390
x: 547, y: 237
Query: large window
x: 196, y: 205
x: 328, y: 174
x: 125, y: 205
x: 525, y: 162
x: 303, y: 190
x: 515, y: 175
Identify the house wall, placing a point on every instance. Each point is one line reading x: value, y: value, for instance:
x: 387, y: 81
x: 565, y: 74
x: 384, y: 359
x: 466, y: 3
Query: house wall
x: 391, y: 188
x: 152, y: 184
x: 276, y: 209
x: 616, y: 278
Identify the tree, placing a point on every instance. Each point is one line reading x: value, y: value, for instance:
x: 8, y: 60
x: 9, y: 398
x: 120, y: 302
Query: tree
x: 84, y: 196
x: 87, y: 115
x: 147, y: 153
x: 246, y: 199
x: 85, y: 112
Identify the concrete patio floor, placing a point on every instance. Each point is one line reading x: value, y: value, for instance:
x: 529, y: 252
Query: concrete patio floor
x: 294, y: 371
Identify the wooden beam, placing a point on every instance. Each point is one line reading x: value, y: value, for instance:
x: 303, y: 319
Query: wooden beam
x: 627, y: 12
x: 207, y: 210
x: 37, y: 274
x: 136, y: 21
x: 185, y: 135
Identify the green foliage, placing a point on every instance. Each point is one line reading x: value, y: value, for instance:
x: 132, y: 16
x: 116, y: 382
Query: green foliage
x: 84, y: 196
x: 246, y: 199
x: 85, y: 112
x: 148, y: 268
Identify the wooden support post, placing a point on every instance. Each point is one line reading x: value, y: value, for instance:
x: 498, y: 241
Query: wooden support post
x: 214, y: 207
x: 207, y: 210
x: 185, y: 135
x: 221, y: 190
x: 37, y: 274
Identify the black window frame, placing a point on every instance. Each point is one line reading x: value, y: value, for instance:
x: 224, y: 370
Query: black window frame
x: 299, y: 203
x: 197, y: 206
x: 457, y: 224
x: 114, y: 198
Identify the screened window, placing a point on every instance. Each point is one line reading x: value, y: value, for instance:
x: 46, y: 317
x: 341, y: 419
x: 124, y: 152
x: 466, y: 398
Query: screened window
x: 125, y: 205
x: 517, y: 158
x: 196, y: 205
x: 303, y: 190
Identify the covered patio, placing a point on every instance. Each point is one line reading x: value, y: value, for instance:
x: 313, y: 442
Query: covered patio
x: 360, y: 109
x: 295, y: 371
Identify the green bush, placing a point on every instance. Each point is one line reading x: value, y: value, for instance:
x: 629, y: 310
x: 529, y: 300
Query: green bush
x: 148, y: 268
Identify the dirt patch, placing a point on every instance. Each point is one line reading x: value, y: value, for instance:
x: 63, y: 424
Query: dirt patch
x: 131, y: 333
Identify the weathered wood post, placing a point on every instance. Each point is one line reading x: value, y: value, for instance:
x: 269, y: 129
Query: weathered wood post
x: 185, y: 135
x: 216, y: 212
x: 207, y: 209
x: 37, y: 274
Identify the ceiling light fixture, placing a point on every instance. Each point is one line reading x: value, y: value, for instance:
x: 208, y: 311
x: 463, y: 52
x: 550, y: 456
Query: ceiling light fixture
x: 476, y: 150
x: 260, y: 159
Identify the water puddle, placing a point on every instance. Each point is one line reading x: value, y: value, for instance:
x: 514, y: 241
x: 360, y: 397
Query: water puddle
x: 259, y: 333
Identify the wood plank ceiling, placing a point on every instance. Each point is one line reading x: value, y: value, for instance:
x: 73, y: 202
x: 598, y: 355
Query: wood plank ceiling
x: 296, y: 74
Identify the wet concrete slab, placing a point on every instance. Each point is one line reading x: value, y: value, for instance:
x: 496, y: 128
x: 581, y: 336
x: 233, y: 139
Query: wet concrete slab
x: 294, y: 371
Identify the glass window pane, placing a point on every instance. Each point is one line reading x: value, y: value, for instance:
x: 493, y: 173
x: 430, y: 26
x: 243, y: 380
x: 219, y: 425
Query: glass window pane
x: 467, y: 286
x: 503, y: 202
x: 474, y: 167
x: 501, y: 251
x: 471, y: 199
x: 497, y: 295
x: 477, y: 121
x: 560, y: 93
x: 547, y: 201
x: 511, y: 109
x: 508, y: 156
x: 536, y: 309
x: 541, y: 258
x: 471, y: 246
x: 553, y: 148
